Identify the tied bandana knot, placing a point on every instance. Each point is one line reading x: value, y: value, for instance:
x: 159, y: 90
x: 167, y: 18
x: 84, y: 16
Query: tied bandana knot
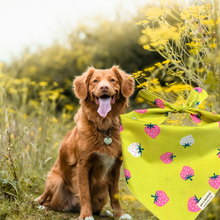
x: 196, y: 96
x: 181, y: 108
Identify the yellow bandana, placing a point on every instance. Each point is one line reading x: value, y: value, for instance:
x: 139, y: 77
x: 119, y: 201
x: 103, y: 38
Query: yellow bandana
x: 173, y: 170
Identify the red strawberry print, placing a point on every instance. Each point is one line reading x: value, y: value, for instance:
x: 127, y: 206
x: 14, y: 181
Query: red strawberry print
x: 159, y: 103
x: 160, y: 198
x: 196, y: 118
x: 187, y: 173
x: 121, y: 128
x: 219, y: 124
x: 142, y: 111
x: 127, y: 175
x: 152, y: 130
x: 167, y: 157
x: 135, y: 149
x: 218, y: 153
x: 187, y: 141
x: 192, y: 204
x: 214, y: 181
x: 198, y: 89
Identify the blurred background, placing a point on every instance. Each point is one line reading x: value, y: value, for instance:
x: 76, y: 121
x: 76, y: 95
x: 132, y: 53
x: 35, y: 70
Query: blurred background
x: 53, y: 41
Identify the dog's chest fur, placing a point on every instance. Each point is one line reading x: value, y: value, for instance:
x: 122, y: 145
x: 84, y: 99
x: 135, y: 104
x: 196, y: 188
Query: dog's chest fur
x: 107, y: 163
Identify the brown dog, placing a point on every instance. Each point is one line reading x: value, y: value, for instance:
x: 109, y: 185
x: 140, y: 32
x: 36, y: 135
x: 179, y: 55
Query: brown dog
x: 89, y: 161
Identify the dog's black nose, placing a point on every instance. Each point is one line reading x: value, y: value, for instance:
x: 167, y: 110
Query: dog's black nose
x: 104, y: 88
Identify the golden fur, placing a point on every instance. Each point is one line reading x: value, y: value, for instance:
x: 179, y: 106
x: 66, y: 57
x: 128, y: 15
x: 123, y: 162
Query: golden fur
x: 87, y: 170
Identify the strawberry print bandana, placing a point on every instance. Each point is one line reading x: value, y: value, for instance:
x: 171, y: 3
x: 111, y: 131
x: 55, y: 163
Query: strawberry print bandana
x: 173, y: 170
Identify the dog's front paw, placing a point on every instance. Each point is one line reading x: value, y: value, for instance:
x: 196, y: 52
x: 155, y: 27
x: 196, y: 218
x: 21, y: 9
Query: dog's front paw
x: 41, y: 207
x: 82, y: 217
x: 89, y: 218
x: 125, y: 216
x: 107, y: 214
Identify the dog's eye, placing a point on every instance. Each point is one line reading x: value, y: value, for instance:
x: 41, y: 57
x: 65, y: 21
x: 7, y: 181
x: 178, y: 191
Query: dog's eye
x: 112, y: 80
x: 95, y: 81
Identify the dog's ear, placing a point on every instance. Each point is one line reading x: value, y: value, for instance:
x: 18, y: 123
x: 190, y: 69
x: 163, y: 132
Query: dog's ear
x: 81, y: 84
x: 126, y: 81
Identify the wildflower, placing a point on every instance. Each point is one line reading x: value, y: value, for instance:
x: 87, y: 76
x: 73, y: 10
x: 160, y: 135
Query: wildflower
x: 158, y: 64
x: 43, y: 83
x: 17, y: 81
x: 33, y: 83
x: 39, y: 129
x: 55, y: 120
x: 128, y: 197
x: 143, y: 39
x: 69, y: 107
x: 55, y: 84
x: 12, y: 90
x: 146, y: 47
x: 166, y: 62
x: 24, y: 89
x: 55, y: 95
x: 116, y: 196
x: 144, y: 84
x: 55, y: 145
x: 213, y: 45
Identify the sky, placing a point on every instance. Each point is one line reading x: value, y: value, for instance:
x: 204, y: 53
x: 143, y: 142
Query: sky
x: 38, y: 22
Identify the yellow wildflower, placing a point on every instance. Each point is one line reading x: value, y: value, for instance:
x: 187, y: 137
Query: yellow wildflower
x: 43, y: 83
x: 55, y: 95
x: 146, y: 47
x: 69, y: 107
x: 128, y: 197
x: 166, y: 62
x: 55, y: 84
x: 158, y: 64
x: 116, y: 196
x: 55, y: 120
x: 55, y: 145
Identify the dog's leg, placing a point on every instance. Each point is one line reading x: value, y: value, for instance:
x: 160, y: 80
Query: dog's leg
x: 113, y: 190
x: 84, y: 193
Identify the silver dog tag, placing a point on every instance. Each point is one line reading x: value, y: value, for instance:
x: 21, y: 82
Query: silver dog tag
x: 107, y: 140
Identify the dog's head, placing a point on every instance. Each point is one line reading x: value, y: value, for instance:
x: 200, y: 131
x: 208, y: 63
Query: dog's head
x: 103, y: 88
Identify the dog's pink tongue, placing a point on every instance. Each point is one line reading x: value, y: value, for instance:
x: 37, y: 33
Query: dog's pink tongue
x: 104, y: 106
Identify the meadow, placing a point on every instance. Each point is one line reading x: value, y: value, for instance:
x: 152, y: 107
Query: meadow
x: 37, y: 104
